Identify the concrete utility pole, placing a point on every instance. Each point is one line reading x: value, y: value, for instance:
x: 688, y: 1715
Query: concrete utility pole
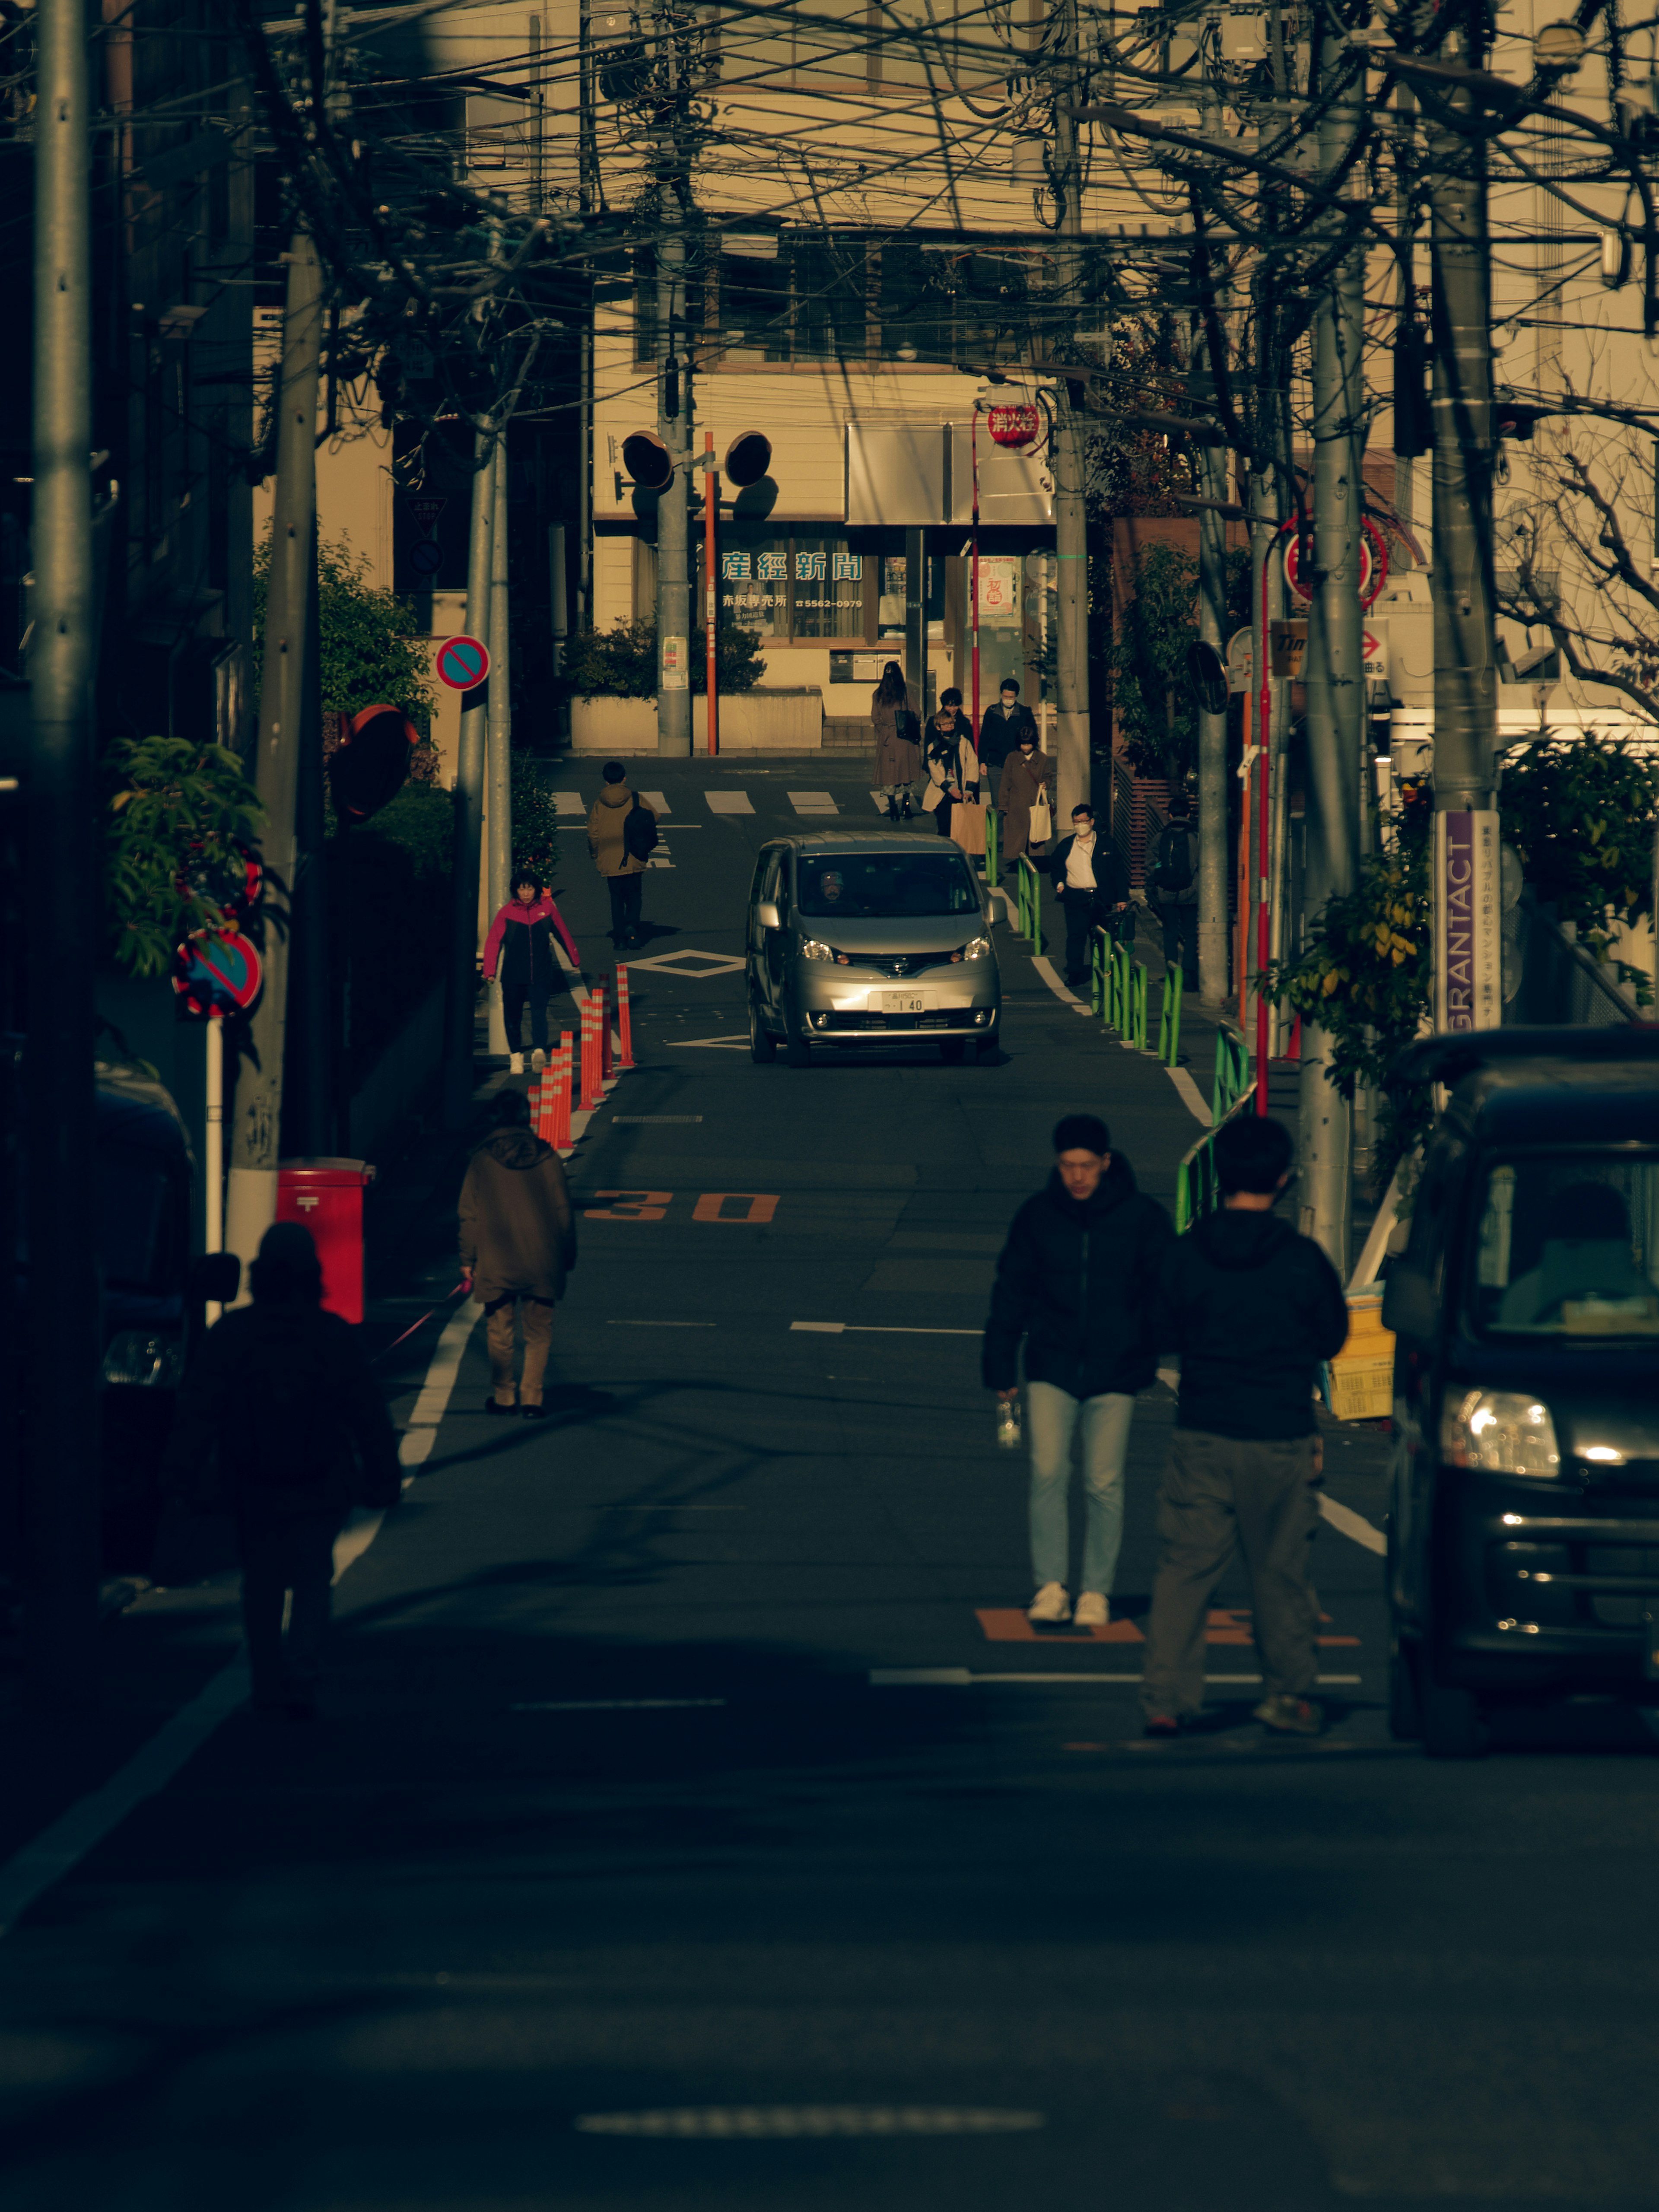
x: 673, y: 413
x: 470, y: 766
x: 1335, y: 677
x: 1073, y: 768
x: 499, y: 875
x: 60, y: 1369
x: 287, y: 697
x: 1213, y: 969
x: 1469, y: 988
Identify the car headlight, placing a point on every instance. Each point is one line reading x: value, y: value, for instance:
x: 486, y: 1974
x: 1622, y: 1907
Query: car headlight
x: 815, y: 949
x: 1498, y: 1432
x: 980, y: 949
x: 151, y: 1361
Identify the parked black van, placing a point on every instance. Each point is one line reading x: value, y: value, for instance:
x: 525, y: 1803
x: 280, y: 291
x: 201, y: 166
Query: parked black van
x: 1524, y: 1539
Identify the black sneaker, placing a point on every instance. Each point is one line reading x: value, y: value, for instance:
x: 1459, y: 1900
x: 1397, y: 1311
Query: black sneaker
x: 494, y: 1406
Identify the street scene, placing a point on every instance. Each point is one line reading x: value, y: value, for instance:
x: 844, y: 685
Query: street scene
x: 828, y: 862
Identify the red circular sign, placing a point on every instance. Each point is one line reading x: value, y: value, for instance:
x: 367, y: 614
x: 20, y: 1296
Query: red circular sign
x: 1373, y: 561
x: 463, y: 663
x: 1014, y: 426
x: 217, y: 975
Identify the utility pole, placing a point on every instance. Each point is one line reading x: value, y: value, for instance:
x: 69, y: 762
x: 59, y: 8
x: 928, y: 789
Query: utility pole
x: 673, y: 407
x: 1468, y: 989
x: 1073, y: 768
x: 470, y: 767
x: 499, y: 875
x: 1336, y: 683
x: 1213, y: 969
x: 60, y: 1371
x: 288, y: 682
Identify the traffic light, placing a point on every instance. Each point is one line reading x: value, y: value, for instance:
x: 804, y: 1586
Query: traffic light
x: 1512, y: 420
x: 1414, y: 423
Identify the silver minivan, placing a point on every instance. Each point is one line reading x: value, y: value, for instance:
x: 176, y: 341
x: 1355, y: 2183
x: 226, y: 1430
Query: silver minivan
x: 869, y: 941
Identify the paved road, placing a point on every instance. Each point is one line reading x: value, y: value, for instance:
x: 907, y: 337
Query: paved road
x: 638, y: 1863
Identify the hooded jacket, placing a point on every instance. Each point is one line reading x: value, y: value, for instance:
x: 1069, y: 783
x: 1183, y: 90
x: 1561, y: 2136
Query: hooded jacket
x: 605, y: 830
x: 1252, y: 1308
x: 517, y: 1231
x: 520, y: 942
x: 1074, y: 1281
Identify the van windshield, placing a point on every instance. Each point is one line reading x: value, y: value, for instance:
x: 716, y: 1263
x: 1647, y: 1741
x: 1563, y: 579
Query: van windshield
x: 1568, y: 1245
x: 885, y: 886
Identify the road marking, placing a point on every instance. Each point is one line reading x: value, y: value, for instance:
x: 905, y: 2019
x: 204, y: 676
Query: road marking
x: 568, y: 802
x: 709, y: 964
x: 767, y: 2122
x: 637, y: 1206
x: 651, y: 1121
x: 759, y: 1206
x: 728, y: 802
x: 1191, y: 1095
x: 812, y: 802
x: 960, y: 1678
x: 613, y: 1705
x: 1354, y: 1526
x: 657, y: 802
x: 727, y: 1044
x: 862, y: 1329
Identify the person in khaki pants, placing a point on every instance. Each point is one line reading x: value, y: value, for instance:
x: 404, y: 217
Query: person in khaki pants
x: 518, y: 1245
x: 1252, y: 1308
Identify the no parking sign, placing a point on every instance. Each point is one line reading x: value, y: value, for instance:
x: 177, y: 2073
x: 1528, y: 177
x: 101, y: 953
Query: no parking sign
x: 463, y: 663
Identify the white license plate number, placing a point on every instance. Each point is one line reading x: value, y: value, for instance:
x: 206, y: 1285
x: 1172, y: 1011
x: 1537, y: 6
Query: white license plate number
x: 904, y: 1002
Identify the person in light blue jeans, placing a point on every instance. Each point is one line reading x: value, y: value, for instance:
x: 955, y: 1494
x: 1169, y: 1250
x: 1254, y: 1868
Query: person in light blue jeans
x: 1074, y: 1284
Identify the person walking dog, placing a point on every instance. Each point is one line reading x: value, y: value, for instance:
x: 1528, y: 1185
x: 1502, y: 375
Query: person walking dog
x: 281, y: 1421
x: 521, y: 945
x: 621, y: 832
x: 1252, y: 1308
x: 518, y: 1245
x: 1072, y: 1284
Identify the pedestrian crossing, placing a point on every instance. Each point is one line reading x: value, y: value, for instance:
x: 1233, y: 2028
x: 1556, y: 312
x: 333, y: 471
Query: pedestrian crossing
x: 808, y: 805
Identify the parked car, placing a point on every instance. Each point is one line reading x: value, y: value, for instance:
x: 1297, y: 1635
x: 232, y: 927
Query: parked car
x: 857, y: 941
x: 1524, y: 1539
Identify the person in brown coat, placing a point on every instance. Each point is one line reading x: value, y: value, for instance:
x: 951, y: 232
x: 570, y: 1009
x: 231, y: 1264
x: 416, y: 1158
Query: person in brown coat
x: 518, y: 1245
x: 898, y: 743
x: 621, y: 831
x: 1026, y: 773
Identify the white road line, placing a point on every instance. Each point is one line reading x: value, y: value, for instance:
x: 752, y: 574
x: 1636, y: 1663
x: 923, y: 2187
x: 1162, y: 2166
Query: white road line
x: 960, y: 1678
x: 862, y: 1329
x: 726, y: 1043
x: 1190, y: 1093
x: 657, y: 802
x: 568, y: 802
x: 812, y: 802
x: 1354, y: 1526
x: 728, y: 802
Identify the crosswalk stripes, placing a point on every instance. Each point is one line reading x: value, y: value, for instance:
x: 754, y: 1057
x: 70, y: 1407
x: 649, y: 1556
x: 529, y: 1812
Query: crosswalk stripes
x: 657, y: 801
x: 813, y: 802
x: 728, y: 802
x: 569, y: 802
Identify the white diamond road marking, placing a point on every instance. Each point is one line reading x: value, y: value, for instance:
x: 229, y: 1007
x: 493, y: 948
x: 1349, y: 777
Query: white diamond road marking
x: 728, y: 802
x: 569, y: 802
x: 709, y: 963
x: 656, y: 802
x: 813, y: 802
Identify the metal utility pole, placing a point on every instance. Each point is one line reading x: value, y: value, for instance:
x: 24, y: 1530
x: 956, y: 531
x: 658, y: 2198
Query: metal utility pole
x: 1469, y: 988
x: 1335, y: 676
x: 673, y: 521
x: 290, y: 681
x: 499, y: 874
x: 470, y: 766
x: 1073, y: 768
x: 1215, y: 970
x: 60, y: 1369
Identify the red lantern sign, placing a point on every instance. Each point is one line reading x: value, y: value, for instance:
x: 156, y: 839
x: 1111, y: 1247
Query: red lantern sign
x: 1014, y: 426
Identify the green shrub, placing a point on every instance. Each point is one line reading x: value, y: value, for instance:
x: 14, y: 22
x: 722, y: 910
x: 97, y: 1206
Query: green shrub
x: 535, y: 820
x: 373, y: 649
x: 621, y: 662
x: 1580, y: 813
x: 171, y: 866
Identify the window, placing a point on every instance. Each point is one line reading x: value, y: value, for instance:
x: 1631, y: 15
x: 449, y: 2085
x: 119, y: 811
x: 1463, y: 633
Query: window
x: 885, y: 886
x: 803, y: 584
x: 828, y: 588
x: 1568, y: 1246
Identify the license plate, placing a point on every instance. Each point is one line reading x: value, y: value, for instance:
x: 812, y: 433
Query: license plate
x: 904, y: 1002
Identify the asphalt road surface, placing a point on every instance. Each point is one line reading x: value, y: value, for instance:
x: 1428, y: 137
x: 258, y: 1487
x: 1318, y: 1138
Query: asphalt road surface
x: 695, y: 1821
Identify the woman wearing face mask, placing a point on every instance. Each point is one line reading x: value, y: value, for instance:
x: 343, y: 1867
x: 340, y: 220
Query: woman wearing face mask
x: 1028, y: 777
x: 898, y: 742
x: 953, y: 769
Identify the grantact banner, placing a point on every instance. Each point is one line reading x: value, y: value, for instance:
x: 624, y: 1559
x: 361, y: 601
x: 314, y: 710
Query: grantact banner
x: 1468, y: 958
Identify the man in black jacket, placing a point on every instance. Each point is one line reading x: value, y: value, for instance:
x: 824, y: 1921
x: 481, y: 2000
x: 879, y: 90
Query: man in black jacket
x: 1093, y: 888
x: 1002, y: 728
x: 1078, y: 1265
x: 281, y: 1421
x: 1252, y: 1308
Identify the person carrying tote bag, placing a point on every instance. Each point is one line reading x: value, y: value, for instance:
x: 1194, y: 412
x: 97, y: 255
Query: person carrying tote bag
x: 1023, y: 797
x: 952, y: 774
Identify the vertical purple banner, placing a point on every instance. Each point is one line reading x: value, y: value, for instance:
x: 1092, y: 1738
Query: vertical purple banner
x: 1468, y: 981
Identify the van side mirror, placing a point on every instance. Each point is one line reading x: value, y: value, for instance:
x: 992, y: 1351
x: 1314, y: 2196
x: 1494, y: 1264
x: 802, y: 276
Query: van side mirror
x: 768, y: 915
x: 1410, y: 1307
x: 216, y: 1278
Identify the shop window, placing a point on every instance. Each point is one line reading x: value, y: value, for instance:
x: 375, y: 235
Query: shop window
x: 787, y: 584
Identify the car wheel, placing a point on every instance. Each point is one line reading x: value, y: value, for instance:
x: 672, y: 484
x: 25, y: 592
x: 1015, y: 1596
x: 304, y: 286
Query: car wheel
x: 1405, y: 1706
x: 1454, y: 1725
x: 762, y: 1045
x: 950, y: 1050
x: 796, y: 1050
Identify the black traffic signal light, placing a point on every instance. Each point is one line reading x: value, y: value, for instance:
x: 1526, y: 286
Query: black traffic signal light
x: 1414, y: 423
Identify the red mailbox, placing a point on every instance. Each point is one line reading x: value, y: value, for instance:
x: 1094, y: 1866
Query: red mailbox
x: 326, y: 1197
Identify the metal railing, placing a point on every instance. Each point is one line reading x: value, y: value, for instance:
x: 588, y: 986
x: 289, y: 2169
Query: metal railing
x: 1232, y: 1074
x: 1198, y: 1188
x: 1118, y: 989
x: 993, y: 846
x: 1169, y: 1018
x: 1029, y: 907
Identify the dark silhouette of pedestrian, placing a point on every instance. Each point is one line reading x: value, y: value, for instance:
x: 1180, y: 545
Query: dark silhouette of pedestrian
x: 281, y: 1421
x: 1252, y: 1308
x: 518, y: 1240
x: 622, y: 830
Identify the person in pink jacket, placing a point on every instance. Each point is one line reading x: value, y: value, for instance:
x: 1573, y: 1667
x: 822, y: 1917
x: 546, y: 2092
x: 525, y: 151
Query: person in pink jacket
x: 520, y: 945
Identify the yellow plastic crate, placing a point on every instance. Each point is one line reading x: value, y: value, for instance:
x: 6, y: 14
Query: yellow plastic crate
x: 1362, y: 1390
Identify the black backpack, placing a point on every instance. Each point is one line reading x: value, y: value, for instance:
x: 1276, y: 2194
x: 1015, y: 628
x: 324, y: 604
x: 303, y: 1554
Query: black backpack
x: 1174, y: 859
x: 639, y: 831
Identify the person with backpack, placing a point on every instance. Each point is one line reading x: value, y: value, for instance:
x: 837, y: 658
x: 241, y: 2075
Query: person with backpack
x: 898, y: 744
x: 281, y: 1421
x: 1072, y: 1283
x: 1252, y: 1308
x: 622, y: 834
x: 520, y: 945
x: 1172, y: 881
x: 1093, y: 888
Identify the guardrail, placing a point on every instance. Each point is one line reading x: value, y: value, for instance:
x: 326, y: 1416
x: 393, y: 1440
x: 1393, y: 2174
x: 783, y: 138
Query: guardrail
x: 1029, y: 904
x: 1198, y: 1188
x: 1124, y: 995
x: 1169, y: 1018
x: 993, y: 846
x: 1232, y: 1074
x: 1100, y: 956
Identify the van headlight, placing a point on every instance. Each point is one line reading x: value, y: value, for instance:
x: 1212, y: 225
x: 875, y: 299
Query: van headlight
x: 979, y: 949
x: 151, y: 1360
x: 1499, y: 1432
x: 815, y: 949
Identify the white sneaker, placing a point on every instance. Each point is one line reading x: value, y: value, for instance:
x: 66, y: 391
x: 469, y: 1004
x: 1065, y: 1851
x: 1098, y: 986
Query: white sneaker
x: 538, y: 1058
x: 1092, y: 1610
x: 1050, y: 1603
x: 515, y: 1063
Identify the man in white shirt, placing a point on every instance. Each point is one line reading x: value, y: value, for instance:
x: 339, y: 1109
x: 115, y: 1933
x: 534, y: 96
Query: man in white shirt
x: 1089, y: 880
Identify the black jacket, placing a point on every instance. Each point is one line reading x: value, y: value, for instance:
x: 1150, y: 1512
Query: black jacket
x: 280, y: 1416
x: 1074, y: 1281
x: 999, y: 735
x: 1111, y: 877
x: 1252, y: 1308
